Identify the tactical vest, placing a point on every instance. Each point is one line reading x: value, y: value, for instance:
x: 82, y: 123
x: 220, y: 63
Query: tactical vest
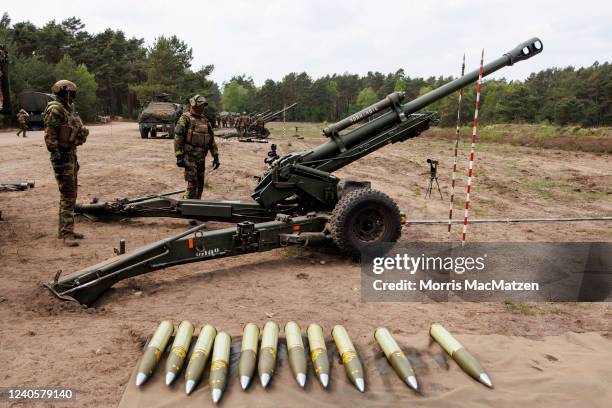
x: 197, y: 134
x: 68, y: 133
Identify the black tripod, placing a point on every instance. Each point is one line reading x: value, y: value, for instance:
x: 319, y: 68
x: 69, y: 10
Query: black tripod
x: 433, y: 177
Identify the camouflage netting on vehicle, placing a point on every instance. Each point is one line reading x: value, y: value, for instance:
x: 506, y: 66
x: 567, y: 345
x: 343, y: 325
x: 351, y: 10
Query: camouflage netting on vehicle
x: 159, y: 112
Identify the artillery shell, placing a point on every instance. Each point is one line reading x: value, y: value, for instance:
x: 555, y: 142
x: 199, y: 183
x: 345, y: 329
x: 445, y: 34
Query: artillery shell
x: 396, y: 357
x: 153, y: 352
x: 178, y: 352
x: 248, y: 354
x: 466, y: 361
x: 350, y: 359
x: 296, y: 352
x: 220, y: 365
x: 267, y: 353
x: 318, y: 353
x: 199, y: 356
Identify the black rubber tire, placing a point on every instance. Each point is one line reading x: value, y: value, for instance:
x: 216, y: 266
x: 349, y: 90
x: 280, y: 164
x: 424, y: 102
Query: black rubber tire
x: 153, y: 132
x: 144, y: 133
x: 363, y: 218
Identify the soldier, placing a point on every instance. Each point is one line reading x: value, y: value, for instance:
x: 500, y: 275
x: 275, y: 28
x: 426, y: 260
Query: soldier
x: 193, y: 138
x: 218, y: 120
x: 261, y: 125
x: 240, y: 124
x: 22, y: 119
x: 64, y: 131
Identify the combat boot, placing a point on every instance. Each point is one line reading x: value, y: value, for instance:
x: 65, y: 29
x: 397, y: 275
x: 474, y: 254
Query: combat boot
x: 70, y: 242
x: 70, y: 238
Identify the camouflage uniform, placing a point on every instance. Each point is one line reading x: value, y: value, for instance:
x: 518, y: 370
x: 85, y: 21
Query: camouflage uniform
x: 193, y: 139
x: 240, y: 125
x: 22, y: 119
x: 261, y: 125
x: 63, y: 133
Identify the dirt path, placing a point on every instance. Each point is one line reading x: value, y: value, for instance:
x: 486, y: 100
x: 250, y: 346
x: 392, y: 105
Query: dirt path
x: 47, y: 342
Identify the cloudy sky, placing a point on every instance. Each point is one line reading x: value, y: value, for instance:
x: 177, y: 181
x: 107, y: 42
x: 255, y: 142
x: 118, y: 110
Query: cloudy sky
x: 270, y: 38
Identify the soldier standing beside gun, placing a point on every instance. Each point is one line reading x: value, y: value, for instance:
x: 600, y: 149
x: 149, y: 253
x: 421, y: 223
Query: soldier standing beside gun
x: 193, y: 138
x: 64, y: 131
x: 22, y: 119
x: 241, y: 124
x: 261, y: 125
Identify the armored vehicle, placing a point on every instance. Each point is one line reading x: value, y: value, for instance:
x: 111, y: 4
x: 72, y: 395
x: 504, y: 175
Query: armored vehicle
x: 159, y: 116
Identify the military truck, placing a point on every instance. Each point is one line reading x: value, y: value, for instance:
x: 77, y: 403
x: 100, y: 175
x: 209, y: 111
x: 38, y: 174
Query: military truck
x: 35, y: 103
x: 159, y: 116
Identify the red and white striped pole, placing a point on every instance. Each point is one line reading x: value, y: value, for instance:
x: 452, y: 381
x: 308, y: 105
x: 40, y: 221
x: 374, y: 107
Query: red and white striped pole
x: 457, y: 140
x: 471, y: 166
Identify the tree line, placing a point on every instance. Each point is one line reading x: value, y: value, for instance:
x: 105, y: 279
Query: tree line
x: 116, y: 74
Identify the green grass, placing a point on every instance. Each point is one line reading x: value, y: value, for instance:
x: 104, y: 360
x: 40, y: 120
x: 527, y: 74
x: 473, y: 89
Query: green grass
x: 519, y: 308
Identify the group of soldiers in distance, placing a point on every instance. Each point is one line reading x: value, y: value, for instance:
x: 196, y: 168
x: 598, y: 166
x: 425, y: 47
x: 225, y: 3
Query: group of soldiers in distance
x: 240, y: 122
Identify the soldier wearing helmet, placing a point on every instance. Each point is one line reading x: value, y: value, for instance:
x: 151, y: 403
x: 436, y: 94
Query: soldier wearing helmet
x: 241, y: 124
x: 64, y: 131
x: 260, y: 125
x: 22, y: 119
x: 193, y: 139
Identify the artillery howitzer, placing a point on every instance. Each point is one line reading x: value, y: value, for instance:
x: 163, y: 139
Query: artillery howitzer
x: 252, y: 131
x: 296, y: 202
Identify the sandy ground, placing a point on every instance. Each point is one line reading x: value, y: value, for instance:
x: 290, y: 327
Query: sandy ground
x: 46, y: 342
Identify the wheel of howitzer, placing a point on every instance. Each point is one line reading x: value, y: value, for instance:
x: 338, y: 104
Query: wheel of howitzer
x: 144, y: 133
x: 362, y: 218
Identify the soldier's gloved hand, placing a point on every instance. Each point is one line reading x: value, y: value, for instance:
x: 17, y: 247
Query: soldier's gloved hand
x: 180, y: 160
x: 216, y: 163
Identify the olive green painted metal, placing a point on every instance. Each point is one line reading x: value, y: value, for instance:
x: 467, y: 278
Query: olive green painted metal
x: 193, y: 245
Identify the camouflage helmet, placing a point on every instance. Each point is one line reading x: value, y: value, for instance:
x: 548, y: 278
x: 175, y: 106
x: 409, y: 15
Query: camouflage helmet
x: 198, y: 100
x: 259, y: 115
x: 63, y: 85
x: 244, y: 113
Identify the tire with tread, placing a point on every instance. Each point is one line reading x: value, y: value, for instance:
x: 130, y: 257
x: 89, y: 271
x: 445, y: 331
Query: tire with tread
x: 364, y: 217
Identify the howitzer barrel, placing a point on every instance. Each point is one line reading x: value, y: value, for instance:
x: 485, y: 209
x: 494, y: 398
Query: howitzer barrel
x: 331, y: 148
x: 271, y: 116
